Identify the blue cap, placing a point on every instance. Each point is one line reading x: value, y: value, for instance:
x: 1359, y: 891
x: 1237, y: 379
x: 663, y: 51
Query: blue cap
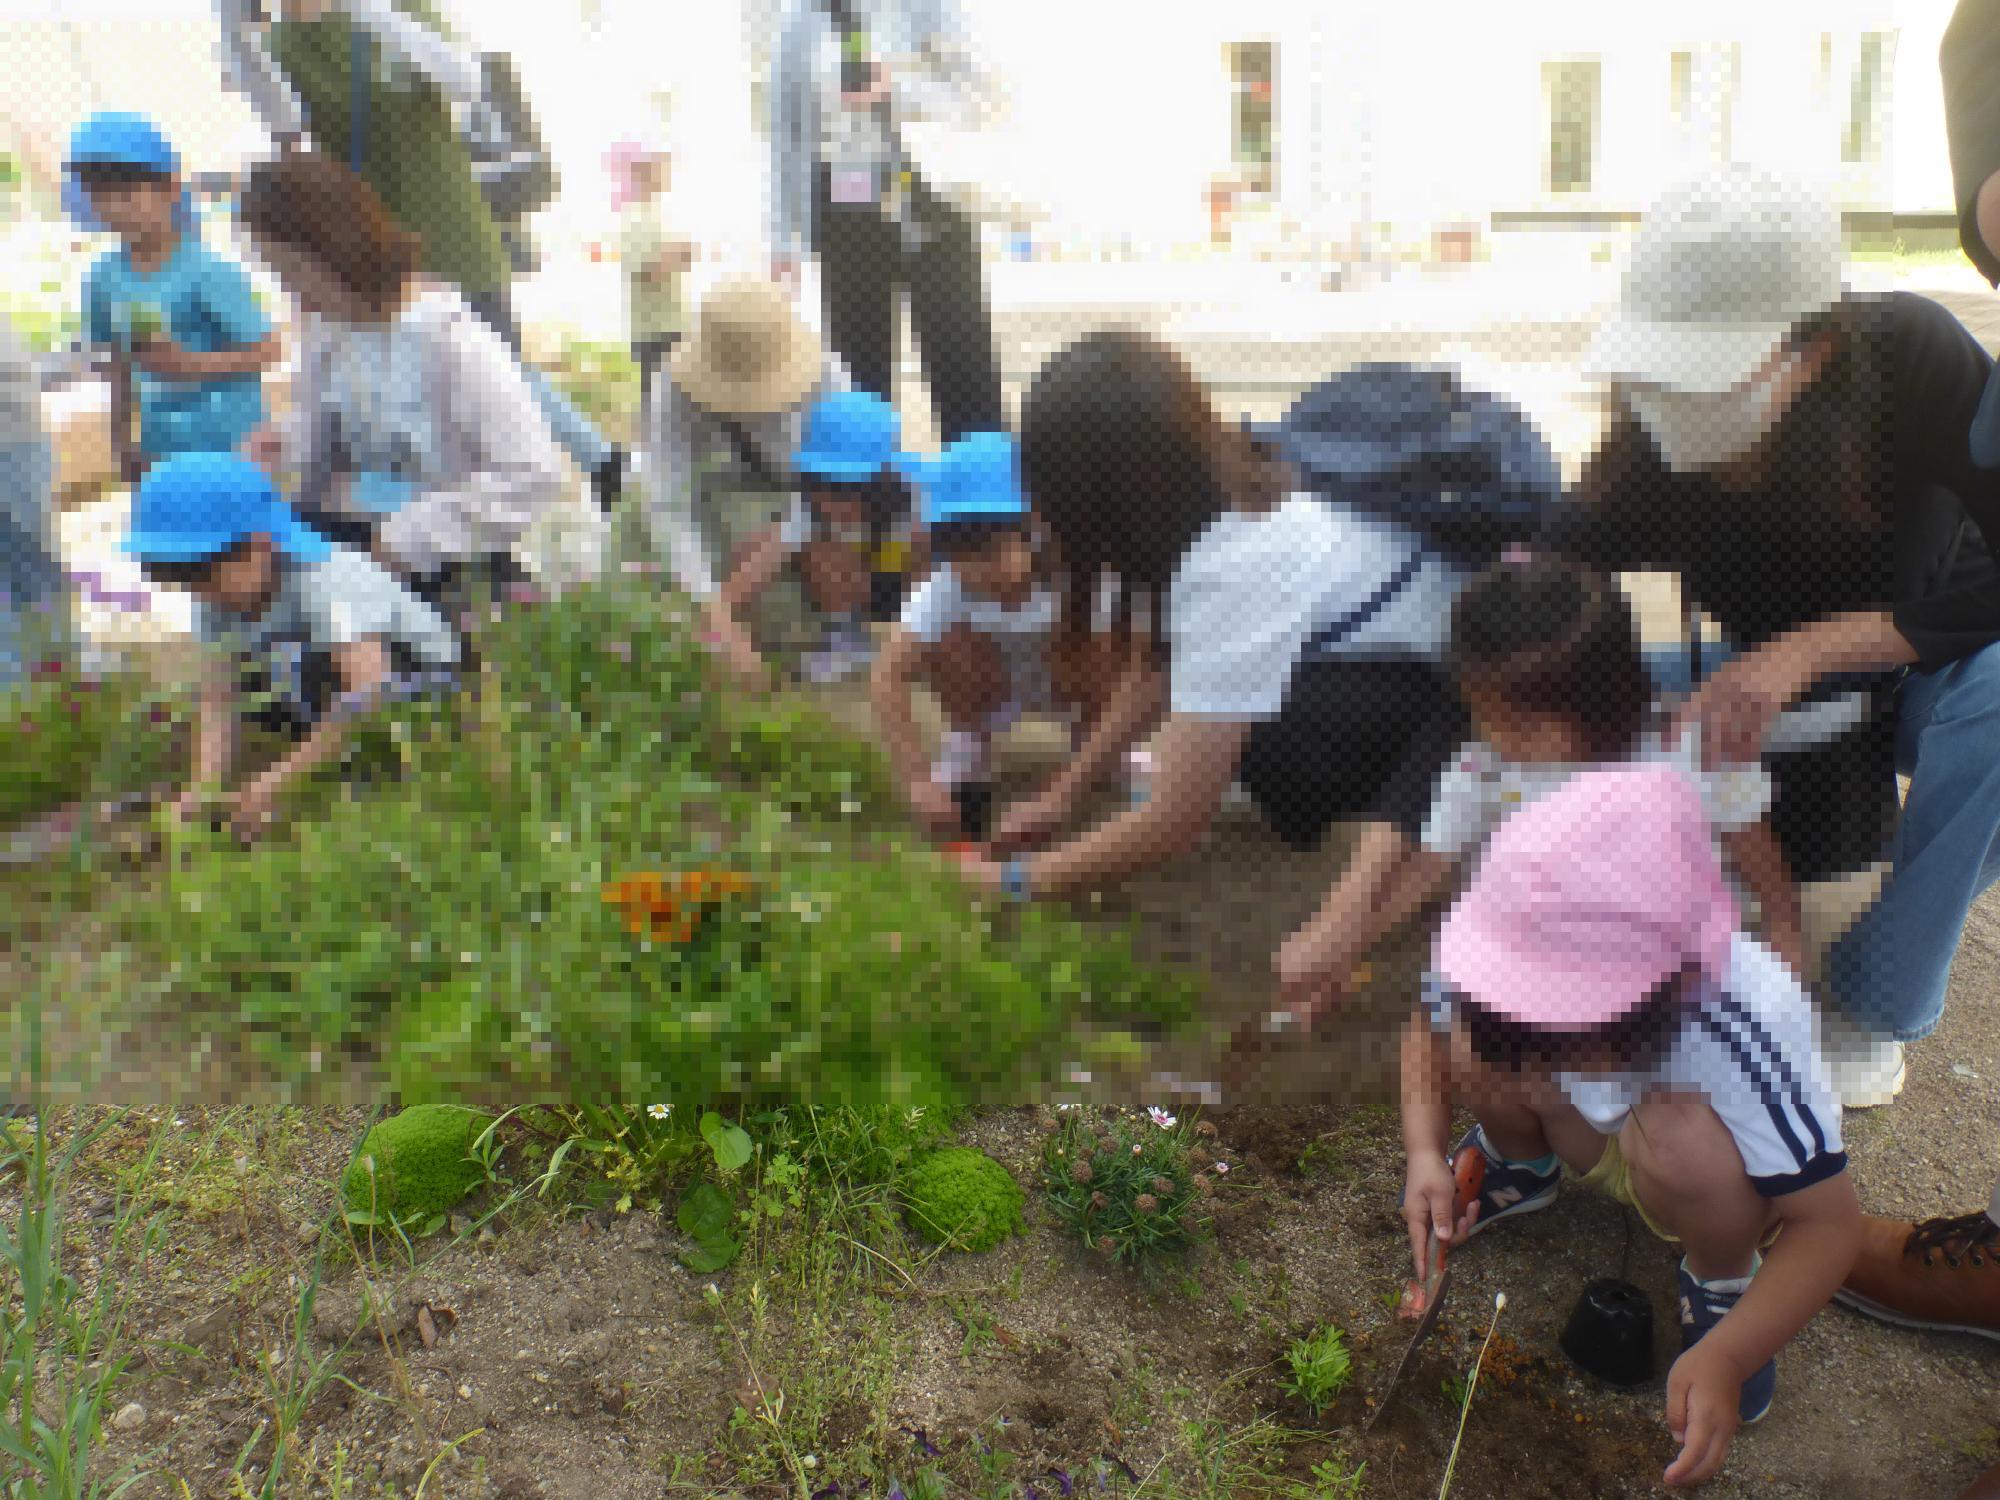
x: 978, y: 478
x: 198, y: 505
x: 113, y: 138
x: 850, y: 435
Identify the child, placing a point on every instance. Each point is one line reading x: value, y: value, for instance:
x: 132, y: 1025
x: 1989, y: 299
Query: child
x: 654, y: 265
x: 1546, y: 658
x: 212, y: 523
x: 978, y: 629
x: 851, y: 501
x: 1598, y: 1007
x: 183, y: 322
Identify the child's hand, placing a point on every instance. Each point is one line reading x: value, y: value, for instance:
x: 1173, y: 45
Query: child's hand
x: 254, y: 809
x: 1789, y: 943
x: 1031, y: 824
x: 1703, y: 1390
x: 1311, y: 967
x: 1429, y: 1195
x: 980, y: 872
x: 266, y: 448
x: 933, y: 804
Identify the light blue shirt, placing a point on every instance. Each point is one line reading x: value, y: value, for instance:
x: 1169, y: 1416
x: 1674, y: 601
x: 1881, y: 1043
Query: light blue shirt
x: 206, y: 305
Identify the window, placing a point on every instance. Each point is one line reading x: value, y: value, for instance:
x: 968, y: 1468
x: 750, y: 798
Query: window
x: 1252, y: 82
x: 1573, y: 89
x: 1680, y: 86
x: 1868, y: 107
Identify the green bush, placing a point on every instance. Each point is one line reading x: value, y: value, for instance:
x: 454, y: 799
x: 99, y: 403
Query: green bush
x: 1132, y: 1187
x: 415, y: 1166
x: 964, y: 1199
x: 451, y: 936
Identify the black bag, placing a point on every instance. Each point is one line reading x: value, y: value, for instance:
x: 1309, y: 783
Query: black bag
x: 512, y: 165
x: 1463, y: 467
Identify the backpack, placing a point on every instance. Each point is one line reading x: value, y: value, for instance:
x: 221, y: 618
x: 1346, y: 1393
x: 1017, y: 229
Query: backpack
x: 1464, y: 468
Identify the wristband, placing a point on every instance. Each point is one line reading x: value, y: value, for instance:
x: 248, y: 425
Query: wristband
x: 1014, y: 878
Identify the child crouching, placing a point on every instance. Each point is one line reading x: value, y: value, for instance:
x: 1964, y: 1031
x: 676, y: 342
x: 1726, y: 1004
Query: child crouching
x: 981, y: 631
x: 274, y: 592
x: 1598, y: 1007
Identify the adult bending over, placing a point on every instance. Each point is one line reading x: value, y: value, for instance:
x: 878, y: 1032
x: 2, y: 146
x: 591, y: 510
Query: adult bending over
x: 413, y: 433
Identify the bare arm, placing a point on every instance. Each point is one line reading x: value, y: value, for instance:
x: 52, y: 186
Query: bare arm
x: 1757, y: 855
x: 755, y: 571
x: 889, y: 688
x: 1195, y: 759
x: 214, y: 729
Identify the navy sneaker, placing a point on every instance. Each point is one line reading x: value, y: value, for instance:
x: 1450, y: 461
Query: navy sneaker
x: 1701, y: 1309
x: 1511, y: 1187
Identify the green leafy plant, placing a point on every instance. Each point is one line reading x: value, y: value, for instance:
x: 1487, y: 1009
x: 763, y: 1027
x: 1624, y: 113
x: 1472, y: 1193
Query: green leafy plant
x: 1320, y: 1368
x: 1132, y: 1187
x: 964, y: 1199
x: 65, y: 736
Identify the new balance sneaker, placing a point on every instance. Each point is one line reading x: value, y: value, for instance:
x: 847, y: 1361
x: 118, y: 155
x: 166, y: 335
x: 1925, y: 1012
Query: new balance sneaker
x: 1512, y: 1188
x: 1942, y: 1275
x: 1705, y: 1304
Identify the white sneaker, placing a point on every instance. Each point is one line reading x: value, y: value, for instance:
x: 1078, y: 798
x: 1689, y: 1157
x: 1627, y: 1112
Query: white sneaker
x: 962, y: 757
x: 840, y: 658
x: 1866, y: 1068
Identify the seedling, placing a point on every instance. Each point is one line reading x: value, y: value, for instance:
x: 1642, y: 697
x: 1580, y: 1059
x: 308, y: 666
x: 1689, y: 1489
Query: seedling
x: 1321, y: 1368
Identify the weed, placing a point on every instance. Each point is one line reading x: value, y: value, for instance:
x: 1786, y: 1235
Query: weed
x: 1454, y: 1388
x: 1321, y: 1368
x: 1465, y: 1409
x: 977, y: 1323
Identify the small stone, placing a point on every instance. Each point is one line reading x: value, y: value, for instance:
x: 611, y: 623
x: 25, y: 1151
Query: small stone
x: 131, y: 1417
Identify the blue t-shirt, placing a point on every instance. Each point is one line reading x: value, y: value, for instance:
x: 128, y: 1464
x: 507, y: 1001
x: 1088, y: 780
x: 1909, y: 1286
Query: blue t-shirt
x: 205, y: 304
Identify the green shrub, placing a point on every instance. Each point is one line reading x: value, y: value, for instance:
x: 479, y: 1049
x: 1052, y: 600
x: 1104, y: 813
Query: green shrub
x: 1132, y: 1187
x: 964, y: 1199
x: 415, y: 1166
x: 1320, y: 1368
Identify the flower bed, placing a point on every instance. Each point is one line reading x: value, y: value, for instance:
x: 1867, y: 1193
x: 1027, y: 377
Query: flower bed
x: 452, y: 934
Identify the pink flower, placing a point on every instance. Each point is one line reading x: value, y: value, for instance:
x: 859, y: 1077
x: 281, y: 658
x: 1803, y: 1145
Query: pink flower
x: 524, y: 593
x: 639, y: 569
x: 620, y: 649
x: 1222, y: 1167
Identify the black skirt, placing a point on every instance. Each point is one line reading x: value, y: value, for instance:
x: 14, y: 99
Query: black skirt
x: 1355, y: 740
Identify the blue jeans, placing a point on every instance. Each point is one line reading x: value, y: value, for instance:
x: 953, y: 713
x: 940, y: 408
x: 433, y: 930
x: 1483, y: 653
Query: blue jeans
x: 31, y: 576
x: 1891, y: 969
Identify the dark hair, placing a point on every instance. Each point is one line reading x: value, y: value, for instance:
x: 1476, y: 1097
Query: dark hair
x: 1128, y: 463
x: 187, y: 575
x: 955, y: 539
x: 1831, y: 453
x: 1552, y: 638
x: 117, y: 175
x: 886, y: 493
x: 308, y: 201
x: 1639, y: 1038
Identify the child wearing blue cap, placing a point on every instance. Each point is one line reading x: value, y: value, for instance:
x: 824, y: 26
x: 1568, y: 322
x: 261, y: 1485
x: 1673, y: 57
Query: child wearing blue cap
x: 852, y: 509
x: 979, y: 631
x: 272, y: 590
x: 184, y: 325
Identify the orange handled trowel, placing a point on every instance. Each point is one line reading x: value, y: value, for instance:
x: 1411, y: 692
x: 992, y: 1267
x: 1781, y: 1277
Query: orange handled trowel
x: 1423, y: 1301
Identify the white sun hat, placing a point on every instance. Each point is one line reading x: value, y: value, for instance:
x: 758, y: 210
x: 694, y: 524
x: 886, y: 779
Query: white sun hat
x: 1723, y: 268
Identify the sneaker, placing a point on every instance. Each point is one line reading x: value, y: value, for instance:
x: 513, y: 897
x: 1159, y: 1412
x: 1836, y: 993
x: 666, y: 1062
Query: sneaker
x: 1942, y: 1275
x: 1865, y: 1068
x: 1511, y: 1187
x: 845, y: 653
x: 963, y: 756
x: 1702, y: 1307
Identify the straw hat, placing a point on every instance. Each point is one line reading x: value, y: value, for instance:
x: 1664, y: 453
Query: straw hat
x: 750, y: 354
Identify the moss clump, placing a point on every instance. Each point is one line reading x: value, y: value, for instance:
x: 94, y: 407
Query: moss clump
x: 964, y: 1199
x: 415, y: 1166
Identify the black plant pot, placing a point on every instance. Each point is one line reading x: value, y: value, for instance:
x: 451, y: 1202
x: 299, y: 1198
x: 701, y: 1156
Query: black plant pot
x: 1610, y: 1333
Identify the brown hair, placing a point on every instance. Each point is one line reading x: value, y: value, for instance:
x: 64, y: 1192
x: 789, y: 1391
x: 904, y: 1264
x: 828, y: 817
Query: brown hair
x: 308, y: 201
x: 1551, y: 638
x: 1126, y: 461
x: 1639, y: 1038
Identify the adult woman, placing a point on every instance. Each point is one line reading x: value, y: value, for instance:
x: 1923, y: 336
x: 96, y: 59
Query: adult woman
x: 1799, y: 458
x: 413, y: 431
x: 843, y: 189
x: 1287, y: 662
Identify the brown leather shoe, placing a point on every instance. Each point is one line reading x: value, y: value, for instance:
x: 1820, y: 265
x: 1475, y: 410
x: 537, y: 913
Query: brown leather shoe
x: 1942, y: 1275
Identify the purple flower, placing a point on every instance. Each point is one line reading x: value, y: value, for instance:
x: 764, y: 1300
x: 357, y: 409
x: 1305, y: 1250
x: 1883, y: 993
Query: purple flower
x: 896, y: 1493
x: 924, y: 1444
x: 827, y: 1491
x: 1123, y: 1467
x: 1064, y: 1485
x: 47, y: 668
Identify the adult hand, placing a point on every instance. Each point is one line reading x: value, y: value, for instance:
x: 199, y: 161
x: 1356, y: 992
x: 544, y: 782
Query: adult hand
x: 1429, y: 1195
x: 980, y: 872
x: 164, y: 359
x: 1033, y: 823
x: 876, y: 93
x: 1740, y: 702
x: 1703, y: 1390
x: 933, y: 804
x: 786, y: 271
